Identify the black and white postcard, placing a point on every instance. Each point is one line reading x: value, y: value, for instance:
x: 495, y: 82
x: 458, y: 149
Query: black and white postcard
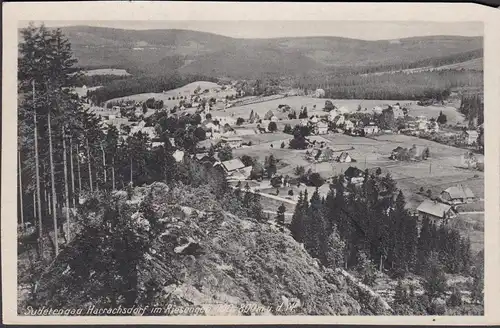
x: 250, y: 163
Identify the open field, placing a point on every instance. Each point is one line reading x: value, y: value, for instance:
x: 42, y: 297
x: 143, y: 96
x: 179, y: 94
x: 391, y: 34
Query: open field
x: 107, y: 71
x: 437, y: 173
x: 83, y: 92
x: 185, y: 91
x: 296, y: 102
x: 453, y: 116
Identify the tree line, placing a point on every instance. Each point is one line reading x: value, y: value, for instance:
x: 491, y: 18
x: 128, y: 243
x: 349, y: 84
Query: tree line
x: 472, y: 106
x: 392, y: 86
x: 98, y: 80
x: 371, y: 221
x: 427, y: 62
x: 64, y: 150
x: 143, y: 84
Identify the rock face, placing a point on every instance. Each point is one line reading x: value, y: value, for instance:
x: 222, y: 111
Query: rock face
x: 215, y: 262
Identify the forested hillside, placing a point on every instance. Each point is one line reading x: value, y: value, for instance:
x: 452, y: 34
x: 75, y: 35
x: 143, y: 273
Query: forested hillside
x: 161, y: 51
x: 114, y: 221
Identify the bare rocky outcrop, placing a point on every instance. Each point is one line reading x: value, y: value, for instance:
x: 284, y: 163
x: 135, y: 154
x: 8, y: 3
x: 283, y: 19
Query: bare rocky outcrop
x: 200, y: 259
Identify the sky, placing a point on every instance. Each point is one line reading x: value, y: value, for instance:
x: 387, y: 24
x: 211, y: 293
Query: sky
x: 365, y: 30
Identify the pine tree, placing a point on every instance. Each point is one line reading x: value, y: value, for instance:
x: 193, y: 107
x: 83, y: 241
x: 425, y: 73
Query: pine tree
x: 424, y: 246
x: 280, y: 216
x: 435, y: 280
x: 365, y: 269
x: 297, y: 226
x: 335, y: 249
x: 400, y: 294
x: 315, y: 239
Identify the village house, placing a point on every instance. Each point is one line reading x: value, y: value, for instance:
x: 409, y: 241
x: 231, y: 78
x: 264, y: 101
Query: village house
x: 457, y: 195
x: 416, y: 153
x: 313, y: 120
x: 469, y: 137
x: 349, y: 125
x: 332, y: 115
x: 242, y: 174
x: 326, y: 155
x: 354, y: 175
x: 339, y: 120
x: 421, y: 123
x: 398, y: 111
x: 231, y: 166
x: 344, y: 157
x: 269, y: 115
x: 343, y: 110
x: 435, y: 211
x: 433, y: 126
x: 321, y: 128
x: 178, y: 155
x: 233, y: 142
x: 399, y: 153
x: 377, y: 110
x: 211, y: 127
x: 371, y: 128
x: 156, y: 144
x: 469, y: 160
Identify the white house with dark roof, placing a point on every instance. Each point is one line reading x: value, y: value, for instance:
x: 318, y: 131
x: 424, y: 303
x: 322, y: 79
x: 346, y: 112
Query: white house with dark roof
x: 458, y: 194
x: 231, y: 166
x: 469, y: 137
x: 371, y: 128
x: 344, y: 157
x: 233, y: 142
x: 435, y: 211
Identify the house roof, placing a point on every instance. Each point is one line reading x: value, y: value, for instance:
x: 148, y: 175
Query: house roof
x: 327, y: 152
x: 233, y: 164
x: 459, y: 191
x: 353, y: 172
x: 417, y: 151
x: 200, y: 155
x: 226, y: 138
x: 433, y: 208
x: 245, y: 171
x: 472, y: 133
x: 343, y: 156
x: 268, y: 115
x: 178, y: 155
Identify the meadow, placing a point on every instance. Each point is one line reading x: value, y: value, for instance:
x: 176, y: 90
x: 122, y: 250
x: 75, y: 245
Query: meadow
x: 442, y: 170
x: 297, y: 102
x: 107, y: 71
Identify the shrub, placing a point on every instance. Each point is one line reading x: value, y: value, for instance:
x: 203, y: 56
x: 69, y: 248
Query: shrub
x: 455, y: 298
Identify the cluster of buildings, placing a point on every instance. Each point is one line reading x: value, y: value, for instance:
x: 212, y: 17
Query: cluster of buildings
x: 441, y: 209
x: 438, y: 210
x: 328, y: 155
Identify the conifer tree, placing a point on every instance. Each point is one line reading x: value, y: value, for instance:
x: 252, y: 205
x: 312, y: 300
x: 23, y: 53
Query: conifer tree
x: 280, y: 216
x: 400, y: 294
x: 424, y: 245
x: 297, y: 226
x: 315, y: 228
x: 435, y: 280
x: 335, y: 249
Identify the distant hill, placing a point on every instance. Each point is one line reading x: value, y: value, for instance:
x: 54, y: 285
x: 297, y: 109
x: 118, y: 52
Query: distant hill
x: 163, y: 51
